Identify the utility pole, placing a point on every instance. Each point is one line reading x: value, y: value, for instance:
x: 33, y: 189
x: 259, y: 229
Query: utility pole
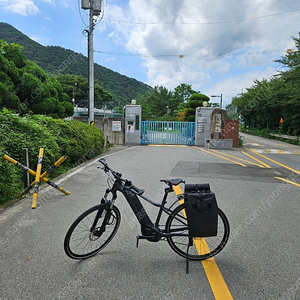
x: 95, y: 9
x: 91, y: 65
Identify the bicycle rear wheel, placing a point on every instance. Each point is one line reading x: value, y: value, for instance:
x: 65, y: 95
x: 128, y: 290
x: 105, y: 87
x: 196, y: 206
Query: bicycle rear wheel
x: 81, y: 241
x: 202, y: 248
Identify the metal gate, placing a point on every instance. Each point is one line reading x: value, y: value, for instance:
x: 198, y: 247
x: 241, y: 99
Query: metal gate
x: 170, y: 133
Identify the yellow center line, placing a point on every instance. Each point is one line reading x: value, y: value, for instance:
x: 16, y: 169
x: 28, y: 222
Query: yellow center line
x: 264, y: 164
x: 244, y: 160
x: 212, y: 271
x: 289, y: 181
x: 221, y: 156
x: 276, y: 162
x: 216, y: 280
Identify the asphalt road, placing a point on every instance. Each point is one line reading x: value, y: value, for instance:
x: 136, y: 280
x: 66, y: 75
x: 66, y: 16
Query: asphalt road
x: 260, y: 261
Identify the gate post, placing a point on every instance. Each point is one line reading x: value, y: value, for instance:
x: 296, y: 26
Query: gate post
x: 133, y: 116
x: 202, y: 126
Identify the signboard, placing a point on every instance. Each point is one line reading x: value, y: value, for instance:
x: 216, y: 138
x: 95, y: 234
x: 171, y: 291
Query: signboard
x: 116, y: 125
x: 201, y: 123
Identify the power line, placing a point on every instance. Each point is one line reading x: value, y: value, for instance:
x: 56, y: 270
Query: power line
x: 193, y: 55
x: 207, y: 23
x: 79, y: 9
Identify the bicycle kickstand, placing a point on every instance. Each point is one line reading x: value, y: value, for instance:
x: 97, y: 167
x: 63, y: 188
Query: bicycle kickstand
x: 187, y: 254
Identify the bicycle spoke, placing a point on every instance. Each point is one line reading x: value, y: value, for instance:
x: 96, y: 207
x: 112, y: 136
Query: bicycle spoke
x: 82, y: 242
x: 202, y: 248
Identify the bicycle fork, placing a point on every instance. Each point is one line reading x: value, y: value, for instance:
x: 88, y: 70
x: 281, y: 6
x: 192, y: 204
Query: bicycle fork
x: 104, y: 212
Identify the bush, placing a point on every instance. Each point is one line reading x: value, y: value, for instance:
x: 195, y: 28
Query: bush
x: 10, y: 179
x: 267, y: 133
x: 19, y: 133
x: 74, y: 139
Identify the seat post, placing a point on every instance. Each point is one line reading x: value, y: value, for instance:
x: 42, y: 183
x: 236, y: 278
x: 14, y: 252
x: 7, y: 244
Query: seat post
x: 164, y: 201
x: 167, y: 191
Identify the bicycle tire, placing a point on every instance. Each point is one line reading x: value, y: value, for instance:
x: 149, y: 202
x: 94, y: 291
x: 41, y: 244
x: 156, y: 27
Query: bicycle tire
x: 80, y: 242
x: 202, y: 248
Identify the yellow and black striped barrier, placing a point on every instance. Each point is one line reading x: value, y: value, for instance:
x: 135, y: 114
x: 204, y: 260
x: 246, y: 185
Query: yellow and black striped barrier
x: 51, y: 169
x: 38, y: 176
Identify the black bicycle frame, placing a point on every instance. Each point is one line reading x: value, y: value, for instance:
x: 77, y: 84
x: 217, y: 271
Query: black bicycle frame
x: 150, y: 230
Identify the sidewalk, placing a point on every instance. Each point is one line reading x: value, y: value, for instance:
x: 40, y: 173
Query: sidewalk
x: 288, y: 137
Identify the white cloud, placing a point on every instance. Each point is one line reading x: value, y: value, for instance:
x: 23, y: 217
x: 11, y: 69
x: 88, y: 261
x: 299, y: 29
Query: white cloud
x: 225, y: 44
x: 233, y: 85
x: 222, y: 42
x: 224, y: 68
x: 22, y: 7
x: 41, y: 40
x: 49, y: 1
x: 65, y: 4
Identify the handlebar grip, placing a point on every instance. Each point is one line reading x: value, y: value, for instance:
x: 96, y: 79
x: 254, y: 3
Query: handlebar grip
x: 103, y: 162
x: 108, y: 168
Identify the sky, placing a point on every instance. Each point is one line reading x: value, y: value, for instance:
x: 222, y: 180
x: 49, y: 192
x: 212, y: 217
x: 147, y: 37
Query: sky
x: 217, y: 47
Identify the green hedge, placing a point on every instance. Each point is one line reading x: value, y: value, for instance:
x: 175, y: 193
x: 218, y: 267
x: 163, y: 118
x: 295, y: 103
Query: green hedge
x: 77, y: 140
x: 269, y: 134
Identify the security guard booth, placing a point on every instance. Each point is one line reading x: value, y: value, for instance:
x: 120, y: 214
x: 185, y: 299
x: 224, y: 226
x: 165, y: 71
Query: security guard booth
x: 133, y: 116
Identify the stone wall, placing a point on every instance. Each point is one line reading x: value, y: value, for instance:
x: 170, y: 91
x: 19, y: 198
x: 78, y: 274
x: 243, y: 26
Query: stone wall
x: 217, y: 124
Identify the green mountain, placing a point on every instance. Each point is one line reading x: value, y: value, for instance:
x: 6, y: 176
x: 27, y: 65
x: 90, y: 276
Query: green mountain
x: 55, y: 59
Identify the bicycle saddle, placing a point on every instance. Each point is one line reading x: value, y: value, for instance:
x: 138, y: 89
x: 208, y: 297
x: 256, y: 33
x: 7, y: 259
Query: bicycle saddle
x: 175, y: 181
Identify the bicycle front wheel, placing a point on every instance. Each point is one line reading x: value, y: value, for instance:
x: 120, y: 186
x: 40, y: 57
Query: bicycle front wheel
x: 202, y: 248
x: 82, y: 241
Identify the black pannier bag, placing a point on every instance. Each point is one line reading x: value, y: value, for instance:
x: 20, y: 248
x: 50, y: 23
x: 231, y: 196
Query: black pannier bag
x: 201, y: 210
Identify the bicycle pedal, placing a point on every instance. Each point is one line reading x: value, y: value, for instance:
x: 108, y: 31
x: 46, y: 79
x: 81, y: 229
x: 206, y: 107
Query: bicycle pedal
x: 143, y: 237
x: 138, y: 237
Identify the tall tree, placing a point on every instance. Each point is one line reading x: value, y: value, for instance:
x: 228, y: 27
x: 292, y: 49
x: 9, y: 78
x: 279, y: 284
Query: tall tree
x: 26, y: 87
x: 155, y: 103
x: 76, y: 87
x: 181, y: 94
x: 267, y: 101
x: 196, y: 100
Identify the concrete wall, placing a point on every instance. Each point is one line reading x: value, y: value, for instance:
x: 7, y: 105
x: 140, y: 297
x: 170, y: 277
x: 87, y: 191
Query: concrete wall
x: 213, y: 131
x: 106, y: 125
x: 202, y: 126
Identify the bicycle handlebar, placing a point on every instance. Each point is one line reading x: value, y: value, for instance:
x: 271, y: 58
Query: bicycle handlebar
x: 127, y: 183
x: 107, y: 168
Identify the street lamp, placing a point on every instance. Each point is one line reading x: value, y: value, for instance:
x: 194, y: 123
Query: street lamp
x: 168, y: 111
x: 220, y: 96
x: 74, y: 92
